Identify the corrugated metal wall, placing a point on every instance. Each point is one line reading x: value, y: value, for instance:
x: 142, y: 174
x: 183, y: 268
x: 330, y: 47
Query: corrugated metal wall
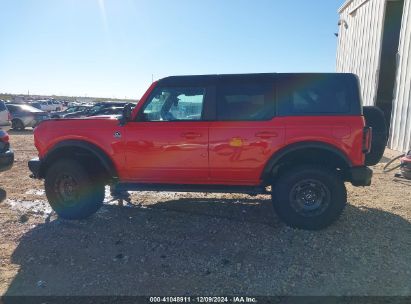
x: 359, y: 46
x: 400, y: 135
x: 359, y: 50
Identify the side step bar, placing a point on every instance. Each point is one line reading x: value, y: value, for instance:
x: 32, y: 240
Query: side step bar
x: 250, y: 190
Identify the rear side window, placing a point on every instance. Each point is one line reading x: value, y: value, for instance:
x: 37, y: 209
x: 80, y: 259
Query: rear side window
x: 245, y: 102
x: 2, y: 106
x: 318, y: 94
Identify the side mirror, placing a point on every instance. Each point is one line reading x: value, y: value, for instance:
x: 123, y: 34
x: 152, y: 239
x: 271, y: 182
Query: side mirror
x: 126, y: 117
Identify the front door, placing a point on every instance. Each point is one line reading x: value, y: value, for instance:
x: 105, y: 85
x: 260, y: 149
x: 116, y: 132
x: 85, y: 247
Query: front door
x: 169, y: 141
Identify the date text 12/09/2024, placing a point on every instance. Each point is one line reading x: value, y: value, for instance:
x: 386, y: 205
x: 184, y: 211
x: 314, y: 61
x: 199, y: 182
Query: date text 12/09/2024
x: 199, y: 299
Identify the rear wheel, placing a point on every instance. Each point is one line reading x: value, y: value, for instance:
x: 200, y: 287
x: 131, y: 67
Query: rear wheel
x: 17, y: 124
x: 71, y: 191
x: 309, y: 197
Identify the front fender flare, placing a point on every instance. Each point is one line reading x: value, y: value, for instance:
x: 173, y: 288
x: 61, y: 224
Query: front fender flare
x: 102, y: 156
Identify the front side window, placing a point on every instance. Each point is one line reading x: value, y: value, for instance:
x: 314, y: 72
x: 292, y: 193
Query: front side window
x: 174, y: 104
x: 244, y: 102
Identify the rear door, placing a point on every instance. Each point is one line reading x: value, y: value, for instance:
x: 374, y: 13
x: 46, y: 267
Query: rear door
x: 245, y: 133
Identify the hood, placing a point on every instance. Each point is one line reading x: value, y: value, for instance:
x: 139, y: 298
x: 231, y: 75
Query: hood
x: 112, y: 116
x: 101, y: 117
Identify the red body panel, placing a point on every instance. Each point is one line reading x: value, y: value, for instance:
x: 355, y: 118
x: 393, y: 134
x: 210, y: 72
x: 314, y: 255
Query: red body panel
x: 240, y: 150
x: 199, y: 152
x: 99, y: 132
x: 342, y: 132
x: 167, y: 152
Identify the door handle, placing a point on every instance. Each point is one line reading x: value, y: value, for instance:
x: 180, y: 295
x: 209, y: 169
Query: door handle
x: 191, y: 135
x: 266, y: 135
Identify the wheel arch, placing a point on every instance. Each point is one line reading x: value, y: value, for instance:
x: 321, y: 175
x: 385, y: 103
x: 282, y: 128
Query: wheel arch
x: 18, y: 119
x: 81, y: 150
x: 306, y: 152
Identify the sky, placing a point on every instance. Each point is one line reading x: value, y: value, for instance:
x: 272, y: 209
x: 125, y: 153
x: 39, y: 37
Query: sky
x: 114, y: 48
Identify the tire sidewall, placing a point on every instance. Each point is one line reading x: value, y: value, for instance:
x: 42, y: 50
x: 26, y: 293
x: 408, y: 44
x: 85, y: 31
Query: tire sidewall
x: 285, y: 184
x: 17, y: 124
x: 92, y: 191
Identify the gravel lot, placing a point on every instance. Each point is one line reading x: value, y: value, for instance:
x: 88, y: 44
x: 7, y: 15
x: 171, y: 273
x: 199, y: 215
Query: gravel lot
x: 185, y: 244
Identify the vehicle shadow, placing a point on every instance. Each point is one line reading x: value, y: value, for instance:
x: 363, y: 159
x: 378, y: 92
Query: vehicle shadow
x: 253, y: 210
x: 212, y: 246
x: 20, y: 132
x: 3, y: 195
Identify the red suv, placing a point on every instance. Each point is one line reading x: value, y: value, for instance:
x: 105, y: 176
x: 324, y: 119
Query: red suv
x: 298, y: 137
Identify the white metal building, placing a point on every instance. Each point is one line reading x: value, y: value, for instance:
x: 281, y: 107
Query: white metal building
x: 374, y: 42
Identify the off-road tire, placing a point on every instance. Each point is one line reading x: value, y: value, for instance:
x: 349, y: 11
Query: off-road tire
x: 284, y: 197
x: 375, y: 118
x: 89, y: 193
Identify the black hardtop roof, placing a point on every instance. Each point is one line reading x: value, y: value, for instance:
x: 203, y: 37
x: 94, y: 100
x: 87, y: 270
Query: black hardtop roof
x: 204, y: 79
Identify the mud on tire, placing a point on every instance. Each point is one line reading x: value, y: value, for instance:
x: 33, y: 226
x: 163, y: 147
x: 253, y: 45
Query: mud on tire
x: 309, y: 197
x: 71, y: 191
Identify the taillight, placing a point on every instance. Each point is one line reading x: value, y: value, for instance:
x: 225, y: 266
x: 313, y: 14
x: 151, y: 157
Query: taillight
x: 366, y: 140
x: 8, y: 116
x: 4, y: 137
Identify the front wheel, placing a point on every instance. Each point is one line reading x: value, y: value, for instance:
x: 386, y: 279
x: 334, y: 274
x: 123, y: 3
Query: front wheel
x: 71, y: 191
x: 309, y: 197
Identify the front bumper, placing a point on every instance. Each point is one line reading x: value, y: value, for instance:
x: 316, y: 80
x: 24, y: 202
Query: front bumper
x: 360, y: 176
x: 34, y: 166
x: 6, y: 160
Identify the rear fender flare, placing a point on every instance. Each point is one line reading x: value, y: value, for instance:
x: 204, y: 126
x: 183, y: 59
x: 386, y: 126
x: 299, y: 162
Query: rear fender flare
x: 277, y: 157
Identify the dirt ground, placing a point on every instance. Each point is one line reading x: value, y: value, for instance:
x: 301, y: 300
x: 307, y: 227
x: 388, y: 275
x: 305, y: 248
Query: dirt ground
x: 199, y: 244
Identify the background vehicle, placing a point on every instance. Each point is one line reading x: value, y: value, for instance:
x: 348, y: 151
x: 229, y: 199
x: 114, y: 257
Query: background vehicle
x: 23, y: 116
x: 4, y: 114
x: 35, y: 104
x: 101, y: 106
x: 109, y: 111
x: 6, y: 154
x: 94, y: 110
x: 58, y: 106
x: 71, y: 110
x: 303, y: 135
x: 48, y: 106
x: 81, y: 113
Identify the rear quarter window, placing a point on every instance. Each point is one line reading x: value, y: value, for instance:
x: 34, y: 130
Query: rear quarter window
x: 318, y: 94
x: 2, y: 106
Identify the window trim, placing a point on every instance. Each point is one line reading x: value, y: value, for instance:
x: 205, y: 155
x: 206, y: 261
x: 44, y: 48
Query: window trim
x: 161, y: 87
